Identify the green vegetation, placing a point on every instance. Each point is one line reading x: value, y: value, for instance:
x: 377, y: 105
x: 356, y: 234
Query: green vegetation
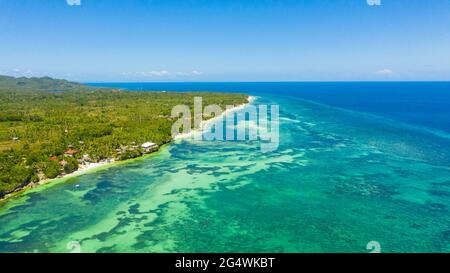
x: 48, y: 127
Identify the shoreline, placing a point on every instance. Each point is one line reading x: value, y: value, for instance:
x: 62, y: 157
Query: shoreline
x: 192, y: 133
x: 91, y: 167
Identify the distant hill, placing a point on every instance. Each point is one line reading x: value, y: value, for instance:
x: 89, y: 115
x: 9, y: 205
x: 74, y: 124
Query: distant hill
x: 34, y: 83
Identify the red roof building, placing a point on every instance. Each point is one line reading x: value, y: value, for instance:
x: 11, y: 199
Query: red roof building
x: 71, y: 152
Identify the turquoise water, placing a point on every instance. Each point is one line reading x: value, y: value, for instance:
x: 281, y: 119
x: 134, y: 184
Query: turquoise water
x: 339, y: 180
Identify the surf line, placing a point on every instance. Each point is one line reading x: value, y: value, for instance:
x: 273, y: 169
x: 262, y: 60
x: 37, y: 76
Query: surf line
x: 245, y: 122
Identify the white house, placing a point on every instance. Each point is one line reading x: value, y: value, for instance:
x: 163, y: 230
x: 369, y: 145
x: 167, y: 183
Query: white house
x: 149, y: 145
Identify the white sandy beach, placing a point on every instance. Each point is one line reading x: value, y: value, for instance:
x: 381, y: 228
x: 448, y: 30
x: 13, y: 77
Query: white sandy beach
x: 192, y: 133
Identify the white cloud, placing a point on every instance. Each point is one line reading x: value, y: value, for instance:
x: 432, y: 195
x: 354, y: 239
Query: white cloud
x: 162, y: 73
x: 385, y: 72
x: 192, y: 73
x: 156, y: 73
x: 196, y: 72
x: 153, y: 73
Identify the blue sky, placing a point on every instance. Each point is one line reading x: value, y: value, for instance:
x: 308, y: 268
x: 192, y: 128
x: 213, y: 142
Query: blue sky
x: 226, y: 40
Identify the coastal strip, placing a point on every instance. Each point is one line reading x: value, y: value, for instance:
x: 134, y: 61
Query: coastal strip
x: 88, y: 167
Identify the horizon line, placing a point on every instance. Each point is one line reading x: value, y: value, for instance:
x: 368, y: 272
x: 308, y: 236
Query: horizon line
x: 336, y: 81
x: 293, y: 81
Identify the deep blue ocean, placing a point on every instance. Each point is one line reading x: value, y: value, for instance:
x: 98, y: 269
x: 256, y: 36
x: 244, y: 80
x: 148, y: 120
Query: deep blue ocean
x: 425, y: 104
